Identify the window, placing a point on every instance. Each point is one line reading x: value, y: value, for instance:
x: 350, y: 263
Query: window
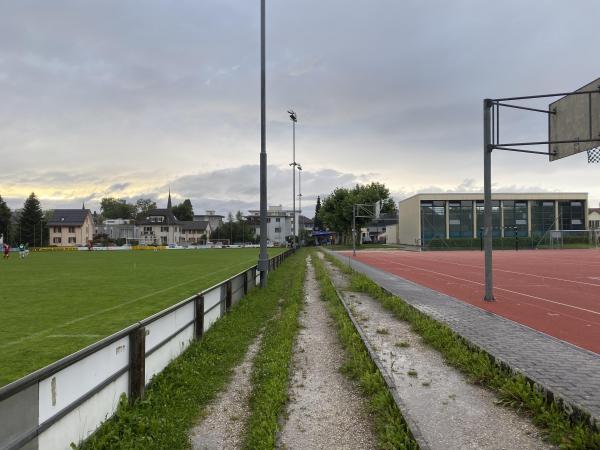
x: 277, y: 230
x: 571, y: 215
x: 157, y: 219
x: 71, y: 230
x: 278, y: 220
x: 433, y: 220
x: 56, y: 240
x: 268, y: 220
x: 460, y: 218
x: 164, y: 229
x: 72, y: 240
x: 515, y: 215
x: 57, y: 229
x: 495, y: 218
x: 147, y: 229
x: 542, y: 217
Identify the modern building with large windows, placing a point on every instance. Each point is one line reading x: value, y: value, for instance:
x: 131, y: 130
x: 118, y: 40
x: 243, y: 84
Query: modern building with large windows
x: 424, y: 217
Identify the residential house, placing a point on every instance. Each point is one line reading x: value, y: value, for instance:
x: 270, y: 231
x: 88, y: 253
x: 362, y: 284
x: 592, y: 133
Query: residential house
x: 160, y: 227
x: 194, y: 232
x: 279, y: 223
x: 214, y: 220
x: 118, y: 229
x: 70, y: 227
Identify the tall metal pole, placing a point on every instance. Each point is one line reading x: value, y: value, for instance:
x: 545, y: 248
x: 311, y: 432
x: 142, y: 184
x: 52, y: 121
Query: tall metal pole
x: 294, y: 181
x: 487, y: 192
x: 299, y: 199
x: 353, y: 230
x: 263, y: 258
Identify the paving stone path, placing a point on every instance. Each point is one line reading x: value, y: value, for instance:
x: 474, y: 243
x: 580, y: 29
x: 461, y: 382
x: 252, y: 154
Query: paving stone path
x: 569, y: 372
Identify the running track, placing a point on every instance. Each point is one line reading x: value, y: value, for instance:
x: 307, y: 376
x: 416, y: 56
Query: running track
x: 556, y: 292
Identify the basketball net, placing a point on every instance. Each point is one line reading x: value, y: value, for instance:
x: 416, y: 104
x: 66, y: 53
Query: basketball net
x: 594, y: 155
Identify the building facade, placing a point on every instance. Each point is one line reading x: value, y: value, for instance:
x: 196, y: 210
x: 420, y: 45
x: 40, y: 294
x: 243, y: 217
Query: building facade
x: 194, y: 232
x: 160, y: 227
x: 424, y: 217
x: 70, y: 227
x: 118, y: 229
x: 279, y: 224
x: 214, y: 220
x: 594, y: 219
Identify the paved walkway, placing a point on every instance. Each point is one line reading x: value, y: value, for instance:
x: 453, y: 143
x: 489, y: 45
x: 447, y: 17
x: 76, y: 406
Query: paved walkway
x: 568, y: 372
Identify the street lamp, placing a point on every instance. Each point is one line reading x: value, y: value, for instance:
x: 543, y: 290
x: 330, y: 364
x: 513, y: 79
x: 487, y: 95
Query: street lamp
x: 294, y: 119
x: 299, y: 201
x: 263, y: 258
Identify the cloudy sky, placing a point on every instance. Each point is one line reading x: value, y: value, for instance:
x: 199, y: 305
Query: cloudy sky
x: 124, y: 98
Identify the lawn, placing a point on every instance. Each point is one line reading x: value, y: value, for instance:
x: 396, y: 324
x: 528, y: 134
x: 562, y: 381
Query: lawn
x: 53, y: 304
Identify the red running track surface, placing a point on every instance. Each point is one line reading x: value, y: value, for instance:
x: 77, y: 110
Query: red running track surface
x: 556, y: 292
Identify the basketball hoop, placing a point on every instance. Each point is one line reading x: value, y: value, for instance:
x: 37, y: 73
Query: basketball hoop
x: 594, y: 155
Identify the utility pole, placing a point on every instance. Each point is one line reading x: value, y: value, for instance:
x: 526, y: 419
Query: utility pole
x: 487, y: 194
x: 299, y: 202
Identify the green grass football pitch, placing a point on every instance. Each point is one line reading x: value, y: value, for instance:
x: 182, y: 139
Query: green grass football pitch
x: 53, y: 304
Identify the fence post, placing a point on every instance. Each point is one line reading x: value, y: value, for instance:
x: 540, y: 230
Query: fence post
x: 199, y: 326
x: 137, y: 364
x: 245, y: 282
x: 228, y: 297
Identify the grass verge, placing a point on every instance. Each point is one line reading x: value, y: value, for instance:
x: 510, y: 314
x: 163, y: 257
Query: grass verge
x: 513, y: 390
x: 270, y: 373
x: 392, y: 431
x: 178, y: 395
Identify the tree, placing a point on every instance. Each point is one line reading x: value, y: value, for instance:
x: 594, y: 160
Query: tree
x: 335, y: 211
x: 143, y: 206
x: 184, y: 211
x: 117, y: 208
x: 31, y: 220
x: 317, y: 221
x: 5, y: 216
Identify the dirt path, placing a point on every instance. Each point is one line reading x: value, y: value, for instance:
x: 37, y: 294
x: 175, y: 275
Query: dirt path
x: 223, y: 425
x: 450, y: 412
x: 325, y: 410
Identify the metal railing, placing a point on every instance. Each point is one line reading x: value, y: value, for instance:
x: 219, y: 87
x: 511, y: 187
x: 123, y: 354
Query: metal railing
x: 68, y: 400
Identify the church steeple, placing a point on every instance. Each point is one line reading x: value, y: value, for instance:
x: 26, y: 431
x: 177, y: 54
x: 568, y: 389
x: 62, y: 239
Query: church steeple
x: 82, y: 205
x: 169, y: 205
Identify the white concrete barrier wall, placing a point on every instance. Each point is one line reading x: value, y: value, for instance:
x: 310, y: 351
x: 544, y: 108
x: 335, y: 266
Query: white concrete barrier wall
x: 159, y: 359
x: 68, y: 385
x: 211, y: 299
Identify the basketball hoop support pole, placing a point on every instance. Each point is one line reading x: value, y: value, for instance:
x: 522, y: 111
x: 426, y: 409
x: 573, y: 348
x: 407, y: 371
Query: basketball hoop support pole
x: 487, y: 189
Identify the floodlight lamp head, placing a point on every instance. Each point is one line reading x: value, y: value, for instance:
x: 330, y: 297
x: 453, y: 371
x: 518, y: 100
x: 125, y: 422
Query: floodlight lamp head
x: 299, y: 167
x: 293, y: 115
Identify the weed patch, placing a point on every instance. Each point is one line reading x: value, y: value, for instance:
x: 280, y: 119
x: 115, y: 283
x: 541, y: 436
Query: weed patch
x: 180, y: 394
x: 270, y: 374
x: 392, y: 431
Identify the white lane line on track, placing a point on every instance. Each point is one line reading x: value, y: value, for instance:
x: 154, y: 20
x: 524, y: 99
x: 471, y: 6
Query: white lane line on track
x: 112, y: 308
x: 500, y: 289
x: 520, y: 273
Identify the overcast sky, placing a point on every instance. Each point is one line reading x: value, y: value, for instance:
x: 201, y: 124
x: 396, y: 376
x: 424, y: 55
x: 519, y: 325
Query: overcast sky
x: 124, y: 98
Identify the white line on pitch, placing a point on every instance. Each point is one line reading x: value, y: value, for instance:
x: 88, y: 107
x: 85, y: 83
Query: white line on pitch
x: 527, y: 274
x: 499, y: 288
x: 112, y: 308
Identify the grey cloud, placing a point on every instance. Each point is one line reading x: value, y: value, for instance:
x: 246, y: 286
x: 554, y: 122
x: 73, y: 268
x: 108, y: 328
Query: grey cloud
x: 113, y: 90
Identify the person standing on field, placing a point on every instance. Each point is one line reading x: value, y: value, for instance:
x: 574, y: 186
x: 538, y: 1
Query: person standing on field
x: 22, y: 251
x: 6, y: 250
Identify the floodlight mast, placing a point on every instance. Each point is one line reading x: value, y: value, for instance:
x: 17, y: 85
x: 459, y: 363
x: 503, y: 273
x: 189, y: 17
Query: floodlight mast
x: 294, y: 119
x: 263, y: 258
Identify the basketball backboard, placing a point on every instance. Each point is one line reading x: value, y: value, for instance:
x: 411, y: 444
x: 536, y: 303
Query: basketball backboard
x: 572, y: 118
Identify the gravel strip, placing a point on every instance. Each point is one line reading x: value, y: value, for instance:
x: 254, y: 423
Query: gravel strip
x: 450, y: 412
x: 325, y: 410
x: 223, y: 426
